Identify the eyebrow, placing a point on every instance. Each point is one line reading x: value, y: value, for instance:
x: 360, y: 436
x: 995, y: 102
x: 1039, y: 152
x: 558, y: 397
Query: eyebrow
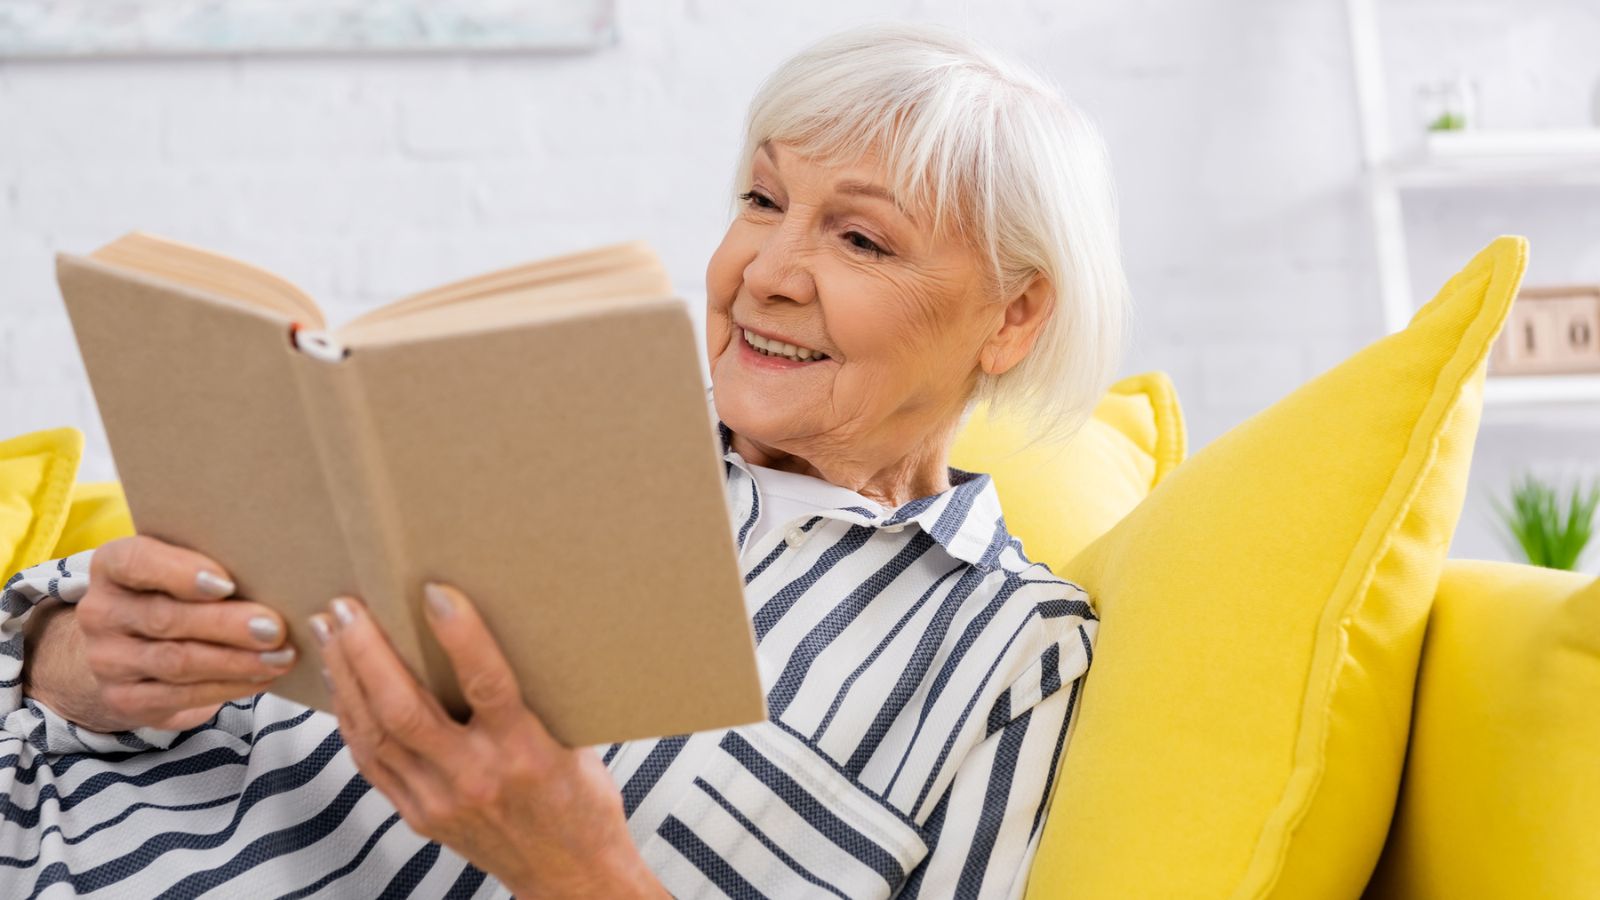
x: 856, y: 188
x: 862, y: 188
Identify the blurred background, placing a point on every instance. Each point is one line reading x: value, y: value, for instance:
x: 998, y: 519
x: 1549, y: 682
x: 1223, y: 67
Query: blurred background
x: 1294, y: 176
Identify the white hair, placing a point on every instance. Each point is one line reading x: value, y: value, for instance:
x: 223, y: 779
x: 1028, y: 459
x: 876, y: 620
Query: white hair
x: 991, y: 149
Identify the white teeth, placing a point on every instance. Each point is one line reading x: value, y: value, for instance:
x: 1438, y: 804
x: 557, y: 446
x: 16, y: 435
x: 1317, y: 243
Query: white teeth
x: 779, y: 348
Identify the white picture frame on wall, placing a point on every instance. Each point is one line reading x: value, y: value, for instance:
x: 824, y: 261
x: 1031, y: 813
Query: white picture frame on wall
x: 88, y: 28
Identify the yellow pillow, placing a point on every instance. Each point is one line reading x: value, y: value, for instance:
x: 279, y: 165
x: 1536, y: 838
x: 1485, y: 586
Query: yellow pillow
x: 1502, y: 785
x: 1243, y: 725
x: 36, y: 474
x: 1134, y: 439
x: 99, y: 514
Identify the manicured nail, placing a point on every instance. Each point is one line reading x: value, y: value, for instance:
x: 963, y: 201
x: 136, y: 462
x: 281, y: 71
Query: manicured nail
x: 327, y: 680
x: 278, y: 657
x: 320, y: 629
x: 342, y: 611
x: 265, y: 629
x: 438, y: 601
x: 213, y: 585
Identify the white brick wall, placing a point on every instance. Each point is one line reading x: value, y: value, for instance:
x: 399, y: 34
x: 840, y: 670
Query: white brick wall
x: 1231, y: 124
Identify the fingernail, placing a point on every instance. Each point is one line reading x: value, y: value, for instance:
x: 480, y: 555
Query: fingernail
x: 342, y: 611
x: 265, y: 629
x: 438, y: 601
x: 327, y: 680
x: 278, y: 657
x: 320, y: 629
x: 212, y: 584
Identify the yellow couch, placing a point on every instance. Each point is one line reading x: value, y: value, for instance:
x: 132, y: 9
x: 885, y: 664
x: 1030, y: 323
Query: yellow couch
x: 1136, y: 439
x: 1295, y: 694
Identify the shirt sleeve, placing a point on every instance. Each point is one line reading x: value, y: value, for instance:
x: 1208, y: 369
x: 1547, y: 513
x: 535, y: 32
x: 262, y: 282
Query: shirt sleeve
x: 1001, y: 791
x: 46, y: 731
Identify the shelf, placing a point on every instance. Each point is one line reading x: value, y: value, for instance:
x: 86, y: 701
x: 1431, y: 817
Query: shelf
x: 1537, y: 390
x: 1504, y: 157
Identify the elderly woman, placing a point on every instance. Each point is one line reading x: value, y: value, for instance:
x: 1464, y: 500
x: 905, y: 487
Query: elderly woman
x: 921, y: 227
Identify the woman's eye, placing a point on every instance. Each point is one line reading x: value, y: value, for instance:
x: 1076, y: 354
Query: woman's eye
x: 864, y: 243
x: 757, y: 200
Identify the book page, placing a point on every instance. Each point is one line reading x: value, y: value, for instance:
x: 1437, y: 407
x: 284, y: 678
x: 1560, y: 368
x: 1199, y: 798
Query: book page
x: 210, y: 271
x: 548, y: 276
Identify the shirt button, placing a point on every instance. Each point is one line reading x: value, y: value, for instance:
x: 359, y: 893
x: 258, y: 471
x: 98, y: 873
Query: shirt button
x: 797, y: 536
x: 895, y: 528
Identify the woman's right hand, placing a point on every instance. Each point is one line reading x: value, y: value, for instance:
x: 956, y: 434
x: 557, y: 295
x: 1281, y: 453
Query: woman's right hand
x: 155, y: 643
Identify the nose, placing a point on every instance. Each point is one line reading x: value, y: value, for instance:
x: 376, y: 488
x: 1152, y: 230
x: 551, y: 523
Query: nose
x: 779, y: 271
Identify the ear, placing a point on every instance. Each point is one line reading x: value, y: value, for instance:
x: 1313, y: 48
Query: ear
x: 1020, y: 325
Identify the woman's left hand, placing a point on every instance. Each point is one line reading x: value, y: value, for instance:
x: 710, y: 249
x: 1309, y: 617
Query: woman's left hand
x: 544, y: 819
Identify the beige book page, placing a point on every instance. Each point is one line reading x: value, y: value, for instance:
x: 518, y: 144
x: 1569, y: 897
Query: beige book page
x: 643, y: 281
x: 621, y: 271
x: 570, y: 267
x: 210, y: 271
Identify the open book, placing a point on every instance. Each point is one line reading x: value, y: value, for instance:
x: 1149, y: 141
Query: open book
x: 538, y: 436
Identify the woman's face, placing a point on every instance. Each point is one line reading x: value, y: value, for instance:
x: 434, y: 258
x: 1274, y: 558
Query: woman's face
x: 821, y: 258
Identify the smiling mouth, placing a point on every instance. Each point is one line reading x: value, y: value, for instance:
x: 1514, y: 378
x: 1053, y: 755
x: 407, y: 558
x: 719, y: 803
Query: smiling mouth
x: 780, y: 349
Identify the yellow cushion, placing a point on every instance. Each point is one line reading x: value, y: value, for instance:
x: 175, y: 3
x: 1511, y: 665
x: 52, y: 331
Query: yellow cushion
x: 36, y: 475
x: 1059, y: 497
x: 1502, y: 785
x: 99, y: 514
x: 1243, y: 725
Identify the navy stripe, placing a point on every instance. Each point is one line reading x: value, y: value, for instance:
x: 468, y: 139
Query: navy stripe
x: 201, y: 762
x: 650, y: 771
x: 762, y: 566
x: 932, y: 831
x: 1055, y: 609
x: 911, y: 510
x: 350, y: 866
x: 955, y: 733
x: 767, y: 842
x: 411, y: 874
x: 994, y: 808
x: 1050, y: 679
x: 755, y: 512
x: 844, y: 688
x: 282, y: 725
x: 91, y: 831
x: 855, y: 782
x: 997, y: 544
x: 955, y: 511
x: 53, y: 874
x: 774, y: 609
x: 916, y: 669
x: 277, y: 781
x: 12, y: 602
x: 468, y: 882
x: 1000, y: 713
x: 611, y: 754
x: 948, y: 671
x: 706, y: 860
x: 837, y: 620
x: 1055, y: 758
x: 818, y: 816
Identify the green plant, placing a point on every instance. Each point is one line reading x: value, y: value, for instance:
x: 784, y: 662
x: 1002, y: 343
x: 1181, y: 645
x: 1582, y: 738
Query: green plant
x: 1548, y: 536
x: 1448, y: 121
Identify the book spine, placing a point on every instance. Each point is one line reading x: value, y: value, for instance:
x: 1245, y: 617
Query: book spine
x: 330, y: 381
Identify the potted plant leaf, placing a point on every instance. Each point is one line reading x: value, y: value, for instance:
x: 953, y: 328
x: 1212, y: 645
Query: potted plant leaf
x: 1549, y: 533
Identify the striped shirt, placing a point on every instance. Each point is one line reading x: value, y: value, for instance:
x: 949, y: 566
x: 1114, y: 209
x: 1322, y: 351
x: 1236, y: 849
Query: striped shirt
x: 921, y: 677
